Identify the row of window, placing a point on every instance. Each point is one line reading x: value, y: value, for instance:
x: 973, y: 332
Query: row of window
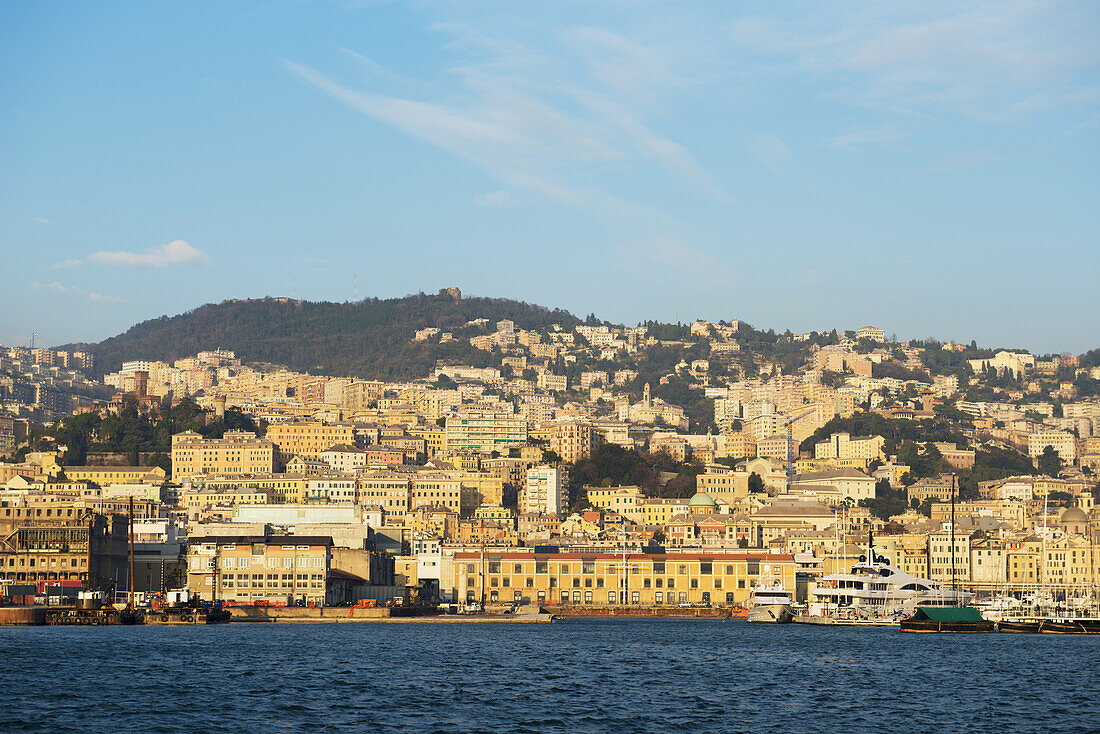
x: 705, y: 568
x: 599, y: 582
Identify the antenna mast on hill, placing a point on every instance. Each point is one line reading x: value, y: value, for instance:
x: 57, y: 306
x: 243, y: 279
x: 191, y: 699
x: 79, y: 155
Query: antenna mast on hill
x: 355, y: 288
x: 292, y: 289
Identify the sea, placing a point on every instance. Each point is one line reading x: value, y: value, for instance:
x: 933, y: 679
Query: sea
x: 569, y: 676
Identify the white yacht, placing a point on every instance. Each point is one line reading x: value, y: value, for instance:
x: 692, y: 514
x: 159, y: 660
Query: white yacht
x: 769, y: 602
x: 874, y: 589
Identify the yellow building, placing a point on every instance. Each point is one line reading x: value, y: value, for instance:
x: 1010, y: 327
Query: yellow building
x: 225, y: 498
x: 104, y: 475
x: 285, y: 489
x: 688, y: 577
x: 308, y: 439
x: 237, y: 452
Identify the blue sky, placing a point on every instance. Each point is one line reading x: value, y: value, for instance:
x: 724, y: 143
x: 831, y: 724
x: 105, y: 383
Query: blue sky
x: 931, y: 168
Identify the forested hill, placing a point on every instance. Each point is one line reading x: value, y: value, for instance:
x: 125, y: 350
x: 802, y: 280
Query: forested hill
x: 371, y: 338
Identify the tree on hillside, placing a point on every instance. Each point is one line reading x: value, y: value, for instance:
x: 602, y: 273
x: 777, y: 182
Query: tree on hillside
x: 1049, y: 462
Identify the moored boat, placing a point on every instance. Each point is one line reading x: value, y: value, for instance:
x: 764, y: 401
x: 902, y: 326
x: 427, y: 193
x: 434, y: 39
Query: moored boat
x: 947, y: 619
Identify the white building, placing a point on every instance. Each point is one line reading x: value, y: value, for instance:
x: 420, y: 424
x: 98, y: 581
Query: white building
x: 544, y: 492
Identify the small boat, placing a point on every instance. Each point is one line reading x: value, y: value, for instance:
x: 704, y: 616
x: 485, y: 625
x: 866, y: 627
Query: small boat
x: 947, y: 619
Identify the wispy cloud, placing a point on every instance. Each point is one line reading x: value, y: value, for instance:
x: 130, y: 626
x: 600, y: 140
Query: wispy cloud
x: 983, y: 61
x: 772, y: 152
x: 93, y: 296
x: 177, y: 252
x: 104, y: 298
x: 495, y: 198
x: 545, y: 121
x: 853, y: 141
x: 659, y: 258
x: 41, y: 220
x: 55, y: 287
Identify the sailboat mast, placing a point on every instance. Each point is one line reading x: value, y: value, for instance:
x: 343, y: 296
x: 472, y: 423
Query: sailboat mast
x: 131, y: 533
x: 954, y: 587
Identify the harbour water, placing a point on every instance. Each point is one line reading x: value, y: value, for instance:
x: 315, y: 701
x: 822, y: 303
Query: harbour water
x: 574, y: 675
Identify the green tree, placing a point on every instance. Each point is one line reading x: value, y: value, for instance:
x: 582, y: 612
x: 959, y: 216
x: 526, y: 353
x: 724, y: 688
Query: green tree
x: 756, y: 483
x: 1049, y: 462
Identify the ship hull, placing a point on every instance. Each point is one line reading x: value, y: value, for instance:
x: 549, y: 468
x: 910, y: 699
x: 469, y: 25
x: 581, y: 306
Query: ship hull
x: 770, y: 614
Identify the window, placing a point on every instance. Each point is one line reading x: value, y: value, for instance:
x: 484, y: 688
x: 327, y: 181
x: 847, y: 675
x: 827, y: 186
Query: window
x: 541, y: 566
x: 706, y: 568
x: 658, y: 583
x: 541, y: 596
x: 740, y: 583
x: 471, y: 568
x: 754, y: 568
x: 588, y: 567
x: 494, y: 566
x: 658, y: 597
x: 588, y: 583
x: 588, y: 597
x: 672, y: 583
x: 576, y: 597
x: 611, y: 597
x: 683, y: 570
x: 494, y: 596
x: 576, y: 583
x: 718, y: 583
x: 599, y: 582
x: 565, y: 597
x: 645, y: 583
x: 470, y: 582
x: 683, y: 596
x: 635, y: 597
x: 506, y: 581
x: 518, y: 568
x: 530, y: 583
x: 729, y: 597
x: 729, y: 570
x: 695, y: 583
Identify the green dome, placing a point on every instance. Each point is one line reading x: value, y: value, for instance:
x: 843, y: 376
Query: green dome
x: 702, y: 499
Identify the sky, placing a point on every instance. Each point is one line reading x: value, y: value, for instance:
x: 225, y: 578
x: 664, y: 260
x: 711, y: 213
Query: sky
x: 932, y: 168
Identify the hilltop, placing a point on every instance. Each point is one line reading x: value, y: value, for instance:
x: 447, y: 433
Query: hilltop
x: 371, y: 338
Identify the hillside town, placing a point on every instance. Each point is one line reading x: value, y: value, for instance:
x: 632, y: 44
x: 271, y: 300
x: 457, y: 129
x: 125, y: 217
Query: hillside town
x: 593, y: 465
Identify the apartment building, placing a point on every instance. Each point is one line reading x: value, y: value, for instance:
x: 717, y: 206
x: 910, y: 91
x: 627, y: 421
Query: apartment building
x: 485, y: 431
x: 237, y: 452
x: 846, y: 446
x: 571, y: 441
x: 308, y: 439
x: 544, y: 492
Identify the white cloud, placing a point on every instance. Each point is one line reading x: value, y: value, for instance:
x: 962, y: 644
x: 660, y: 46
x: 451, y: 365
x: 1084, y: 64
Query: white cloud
x: 67, y: 264
x: 772, y: 152
x: 56, y: 287
x: 41, y: 220
x: 176, y: 252
x: 993, y: 61
x: 853, y: 141
x: 546, y: 121
x: 495, y: 198
x: 104, y: 298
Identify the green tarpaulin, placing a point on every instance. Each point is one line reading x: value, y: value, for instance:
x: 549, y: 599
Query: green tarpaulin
x: 949, y: 614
